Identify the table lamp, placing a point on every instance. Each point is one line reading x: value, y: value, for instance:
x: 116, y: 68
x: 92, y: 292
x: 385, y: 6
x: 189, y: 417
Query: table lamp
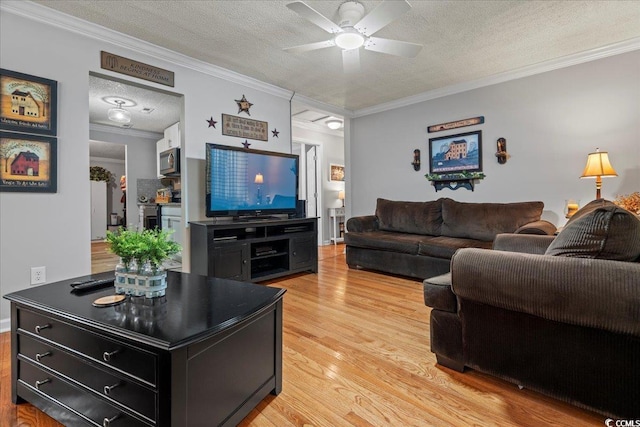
x: 598, y: 165
x: 341, y: 196
x: 259, y: 180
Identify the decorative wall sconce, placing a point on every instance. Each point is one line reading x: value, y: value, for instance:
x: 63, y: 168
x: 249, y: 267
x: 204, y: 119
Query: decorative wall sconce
x: 416, y: 160
x: 502, y: 154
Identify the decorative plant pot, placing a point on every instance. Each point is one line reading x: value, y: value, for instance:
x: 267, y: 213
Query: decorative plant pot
x: 137, y: 284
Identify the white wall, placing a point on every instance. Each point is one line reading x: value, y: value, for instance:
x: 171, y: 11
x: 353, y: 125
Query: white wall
x: 53, y: 230
x: 332, y: 152
x: 114, y: 194
x: 551, y: 122
x: 141, y: 164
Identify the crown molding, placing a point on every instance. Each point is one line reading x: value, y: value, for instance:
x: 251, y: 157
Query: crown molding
x: 45, y: 15
x: 94, y: 127
x: 554, y: 64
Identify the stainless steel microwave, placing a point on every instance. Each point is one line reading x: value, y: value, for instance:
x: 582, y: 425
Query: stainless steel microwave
x: 170, y: 162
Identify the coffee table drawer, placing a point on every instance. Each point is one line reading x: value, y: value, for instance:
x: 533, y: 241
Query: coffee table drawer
x: 80, y: 401
x: 127, y: 359
x: 121, y: 389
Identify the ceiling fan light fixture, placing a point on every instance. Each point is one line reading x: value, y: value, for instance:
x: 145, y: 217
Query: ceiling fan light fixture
x: 334, y: 124
x: 349, y: 39
x: 119, y: 114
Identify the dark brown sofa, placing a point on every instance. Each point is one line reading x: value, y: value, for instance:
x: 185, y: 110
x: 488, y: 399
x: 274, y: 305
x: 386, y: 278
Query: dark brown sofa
x: 557, y: 315
x: 418, y: 239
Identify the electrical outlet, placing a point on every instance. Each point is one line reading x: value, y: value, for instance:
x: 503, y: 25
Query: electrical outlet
x: 38, y: 275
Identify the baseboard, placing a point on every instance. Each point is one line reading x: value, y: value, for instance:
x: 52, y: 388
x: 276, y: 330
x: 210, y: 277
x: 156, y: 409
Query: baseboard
x: 5, y: 325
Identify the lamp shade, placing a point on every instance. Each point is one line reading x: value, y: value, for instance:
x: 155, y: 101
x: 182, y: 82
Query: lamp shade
x: 598, y: 165
x: 259, y: 179
x: 341, y: 194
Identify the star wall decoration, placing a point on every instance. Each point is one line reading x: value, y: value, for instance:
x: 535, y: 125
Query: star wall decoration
x: 243, y: 105
x: 275, y: 132
x: 246, y: 144
x: 212, y: 123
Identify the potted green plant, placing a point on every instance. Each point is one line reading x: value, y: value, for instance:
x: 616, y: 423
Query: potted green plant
x: 141, y: 254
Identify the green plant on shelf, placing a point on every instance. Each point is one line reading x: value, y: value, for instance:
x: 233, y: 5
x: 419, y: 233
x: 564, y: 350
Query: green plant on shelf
x: 454, y: 176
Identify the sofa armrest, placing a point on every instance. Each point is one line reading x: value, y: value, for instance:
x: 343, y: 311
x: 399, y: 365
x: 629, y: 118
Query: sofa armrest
x: 596, y: 293
x: 362, y: 223
x: 527, y: 243
x: 541, y: 227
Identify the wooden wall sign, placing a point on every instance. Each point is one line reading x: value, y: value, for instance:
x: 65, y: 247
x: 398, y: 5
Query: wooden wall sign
x: 244, y: 128
x: 129, y: 67
x: 457, y: 124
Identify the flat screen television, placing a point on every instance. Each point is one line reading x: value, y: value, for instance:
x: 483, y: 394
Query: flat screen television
x: 250, y: 183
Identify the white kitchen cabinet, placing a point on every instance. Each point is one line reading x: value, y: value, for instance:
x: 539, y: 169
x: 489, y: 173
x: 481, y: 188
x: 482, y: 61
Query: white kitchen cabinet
x: 160, y: 147
x: 172, y: 136
x: 171, y: 219
x: 98, y: 210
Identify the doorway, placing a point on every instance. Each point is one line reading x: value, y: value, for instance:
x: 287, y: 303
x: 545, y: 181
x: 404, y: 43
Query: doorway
x: 310, y: 185
x: 150, y: 112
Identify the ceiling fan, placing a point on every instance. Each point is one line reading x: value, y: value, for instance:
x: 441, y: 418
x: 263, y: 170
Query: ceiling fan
x: 355, y: 30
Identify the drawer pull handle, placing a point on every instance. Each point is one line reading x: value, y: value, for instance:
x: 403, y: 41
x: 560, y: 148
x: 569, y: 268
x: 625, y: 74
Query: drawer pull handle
x: 106, y: 356
x: 106, y: 422
x: 40, y: 328
x: 39, y: 356
x: 107, y: 389
x: 39, y: 383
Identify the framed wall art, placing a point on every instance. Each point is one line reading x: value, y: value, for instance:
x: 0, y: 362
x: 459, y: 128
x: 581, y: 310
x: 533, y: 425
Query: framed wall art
x: 28, y: 103
x: 336, y: 172
x: 28, y: 163
x: 456, y: 153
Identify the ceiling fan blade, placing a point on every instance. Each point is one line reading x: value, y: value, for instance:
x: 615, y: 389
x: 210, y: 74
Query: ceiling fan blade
x: 351, y: 61
x: 312, y: 15
x: 311, y: 46
x: 386, y: 12
x: 393, y: 47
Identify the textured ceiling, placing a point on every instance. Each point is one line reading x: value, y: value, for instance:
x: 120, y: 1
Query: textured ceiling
x: 463, y: 40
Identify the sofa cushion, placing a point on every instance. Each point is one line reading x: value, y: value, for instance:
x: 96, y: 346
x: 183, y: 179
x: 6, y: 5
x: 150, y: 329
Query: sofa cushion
x: 483, y: 221
x: 409, y: 217
x: 445, y: 247
x: 438, y: 294
x: 599, y: 230
x: 384, y: 240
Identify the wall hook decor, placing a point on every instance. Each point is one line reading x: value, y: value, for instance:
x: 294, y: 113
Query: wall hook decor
x: 416, y: 160
x: 502, y: 154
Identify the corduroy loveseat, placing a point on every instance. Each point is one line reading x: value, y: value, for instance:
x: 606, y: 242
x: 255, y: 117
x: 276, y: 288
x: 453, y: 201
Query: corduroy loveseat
x: 418, y: 239
x: 557, y: 315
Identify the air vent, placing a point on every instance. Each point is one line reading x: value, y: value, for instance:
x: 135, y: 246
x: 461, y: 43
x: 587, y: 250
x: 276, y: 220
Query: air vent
x: 147, y: 110
x: 127, y: 125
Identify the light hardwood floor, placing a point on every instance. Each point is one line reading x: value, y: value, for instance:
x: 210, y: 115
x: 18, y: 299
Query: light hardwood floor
x: 356, y: 353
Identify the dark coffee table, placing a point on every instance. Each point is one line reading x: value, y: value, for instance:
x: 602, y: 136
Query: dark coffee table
x: 204, y: 355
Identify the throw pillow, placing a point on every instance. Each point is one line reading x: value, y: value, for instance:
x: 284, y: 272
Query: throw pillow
x: 599, y: 230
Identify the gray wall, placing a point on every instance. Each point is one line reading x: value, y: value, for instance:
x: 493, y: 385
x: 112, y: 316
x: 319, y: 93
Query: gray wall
x: 551, y: 122
x: 53, y: 230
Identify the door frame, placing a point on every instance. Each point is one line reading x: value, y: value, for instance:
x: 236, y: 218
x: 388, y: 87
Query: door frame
x: 319, y: 183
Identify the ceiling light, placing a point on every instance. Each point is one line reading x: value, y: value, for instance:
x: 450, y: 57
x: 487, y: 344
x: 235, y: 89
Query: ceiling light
x: 349, y: 39
x: 119, y: 114
x: 334, y: 124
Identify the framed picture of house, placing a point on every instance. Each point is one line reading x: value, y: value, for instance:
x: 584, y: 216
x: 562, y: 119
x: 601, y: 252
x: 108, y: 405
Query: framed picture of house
x: 28, y: 103
x: 336, y: 172
x: 28, y: 163
x: 456, y: 153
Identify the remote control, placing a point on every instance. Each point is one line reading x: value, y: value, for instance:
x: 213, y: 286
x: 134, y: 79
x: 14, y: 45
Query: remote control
x: 91, y: 284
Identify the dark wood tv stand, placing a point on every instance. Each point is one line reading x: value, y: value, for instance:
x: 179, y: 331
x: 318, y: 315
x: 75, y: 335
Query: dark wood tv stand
x: 254, y: 250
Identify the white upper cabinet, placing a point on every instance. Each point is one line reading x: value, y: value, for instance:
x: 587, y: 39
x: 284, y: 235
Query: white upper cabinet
x: 172, y: 135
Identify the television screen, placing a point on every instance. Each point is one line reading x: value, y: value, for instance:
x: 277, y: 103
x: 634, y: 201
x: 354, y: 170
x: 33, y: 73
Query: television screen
x: 250, y: 182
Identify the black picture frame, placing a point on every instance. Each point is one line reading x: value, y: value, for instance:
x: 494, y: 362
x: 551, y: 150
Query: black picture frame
x: 454, y: 154
x: 28, y: 103
x: 28, y: 163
